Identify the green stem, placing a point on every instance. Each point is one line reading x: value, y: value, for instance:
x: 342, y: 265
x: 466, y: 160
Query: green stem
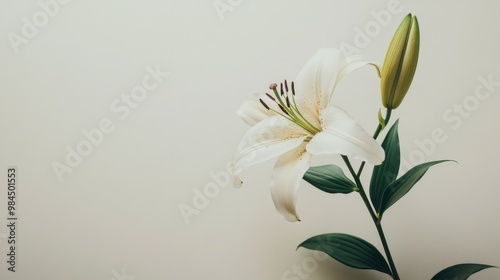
x: 380, y: 231
x: 374, y: 216
x: 361, y: 190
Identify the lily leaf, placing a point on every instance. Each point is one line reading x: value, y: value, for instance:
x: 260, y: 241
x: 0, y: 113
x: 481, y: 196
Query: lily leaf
x: 349, y: 250
x: 330, y: 179
x: 397, y: 189
x: 387, y: 172
x: 460, y: 271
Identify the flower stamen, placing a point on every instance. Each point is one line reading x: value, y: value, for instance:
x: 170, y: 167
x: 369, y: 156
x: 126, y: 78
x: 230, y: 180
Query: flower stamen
x: 289, y: 109
x: 283, y: 109
x: 264, y: 104
x: 270, y: 96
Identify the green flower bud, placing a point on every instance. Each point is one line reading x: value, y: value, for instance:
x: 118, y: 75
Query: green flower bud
x: 400, y: 62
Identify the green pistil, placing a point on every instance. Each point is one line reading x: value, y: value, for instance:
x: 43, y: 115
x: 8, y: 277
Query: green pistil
x: 289, y: 109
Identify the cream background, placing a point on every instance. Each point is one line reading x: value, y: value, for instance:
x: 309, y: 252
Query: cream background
x: 118, y: 210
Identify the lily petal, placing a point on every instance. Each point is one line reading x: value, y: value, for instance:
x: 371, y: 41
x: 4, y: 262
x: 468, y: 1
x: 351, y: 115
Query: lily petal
x: 265, y: 140
x: 342, y: 135
x: 252, y: 111
x: 354, y: 63
x: 287, y: 175
x: 315, y: 82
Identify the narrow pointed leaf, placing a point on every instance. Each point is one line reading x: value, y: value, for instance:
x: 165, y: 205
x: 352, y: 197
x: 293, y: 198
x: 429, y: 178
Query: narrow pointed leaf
x: 387, y: 172
x: 349, y: 250
x: 460, y: 271
x: 330, y: 179
x: 397, y: 189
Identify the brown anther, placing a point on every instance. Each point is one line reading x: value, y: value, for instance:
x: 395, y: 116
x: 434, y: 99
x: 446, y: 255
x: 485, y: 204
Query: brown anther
x: 270, y: 96
x: 287, y: 101
x: 283, y: 109
x: 264, y: 103
x: 273, y: 86
x: 293, y: 88
x: 286, y: 86
x: 281, y: 89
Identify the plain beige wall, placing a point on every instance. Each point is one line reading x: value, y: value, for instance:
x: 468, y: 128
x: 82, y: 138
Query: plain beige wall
x: 116, y: 214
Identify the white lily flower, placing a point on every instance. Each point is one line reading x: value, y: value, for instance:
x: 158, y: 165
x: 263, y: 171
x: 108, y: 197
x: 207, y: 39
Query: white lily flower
x: 252, y: 111
x: 299, y: 123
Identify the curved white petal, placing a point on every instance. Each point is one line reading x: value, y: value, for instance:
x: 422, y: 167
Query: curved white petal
x: 287, y: 175
x: 351, y: 64
x: 252, y: 111
x: 315, y: 82
x: 342, y: 135
x: 265, y: 140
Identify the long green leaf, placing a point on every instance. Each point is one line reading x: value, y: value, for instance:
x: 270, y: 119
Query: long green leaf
x: 349, y: 250
x: 397, y: 189
x: 387, y: 172
x: 460, y: 271
x: 330, y: 179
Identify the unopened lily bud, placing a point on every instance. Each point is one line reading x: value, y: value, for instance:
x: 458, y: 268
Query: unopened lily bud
x: 400, y: 62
